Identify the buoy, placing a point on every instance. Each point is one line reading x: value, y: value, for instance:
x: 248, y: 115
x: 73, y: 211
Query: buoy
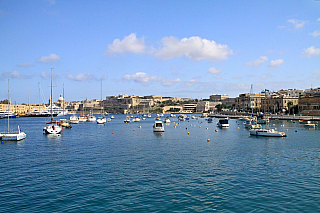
x: 216, y: 130
x: 134, y: 130
x: 140, y: 127
x: 206, y: 127
x: 190, y: 124
x: 112, y: 132
x: 296, y: 131
x: 175, y: 126
x: 199, y: 126
x: 188, y: 133
x: 208, y: 140
x: 1, y: 141
x: 238, y: 127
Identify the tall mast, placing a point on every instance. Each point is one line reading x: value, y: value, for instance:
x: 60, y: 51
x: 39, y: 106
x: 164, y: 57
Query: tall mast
x: 63, y: 103
x: 39, y: 97
x: 8, y: 104
x: 51, y: 95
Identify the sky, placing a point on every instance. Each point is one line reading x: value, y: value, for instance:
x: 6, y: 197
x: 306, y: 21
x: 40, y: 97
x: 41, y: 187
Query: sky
x: 180, y: 48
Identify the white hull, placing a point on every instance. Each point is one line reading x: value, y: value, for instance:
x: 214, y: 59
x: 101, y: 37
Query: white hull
x: 101, y: 120
x: 91, y: 118
x: 158, y: 126
x: 267, y: 133
x: 16, y: 136
x: 52, y: 128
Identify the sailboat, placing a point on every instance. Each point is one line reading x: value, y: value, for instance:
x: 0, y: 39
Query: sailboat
x: 63, y: 122
x: 12, y: 136
x: 102, y: 119
x: 52, y: 127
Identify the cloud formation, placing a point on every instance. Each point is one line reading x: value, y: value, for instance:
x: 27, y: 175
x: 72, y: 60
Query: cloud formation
x: 298, y: 24
x: 315, y: 33
x: 29, y: 64
x: 214, y: 70
x: 14, y: 74
x: 194, y: 48
x: 275, y: 63
x: 129, y: 43
x: 81, y: 77
x: 310, y: 51
x: 52, y: 58
x: 257, y: 62
x: 144, y: 79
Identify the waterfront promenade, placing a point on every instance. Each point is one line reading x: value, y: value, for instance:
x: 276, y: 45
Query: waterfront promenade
x: 270, y: 116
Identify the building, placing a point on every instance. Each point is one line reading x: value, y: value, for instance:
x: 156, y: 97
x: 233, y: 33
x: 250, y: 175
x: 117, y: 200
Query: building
x: 218, y: 97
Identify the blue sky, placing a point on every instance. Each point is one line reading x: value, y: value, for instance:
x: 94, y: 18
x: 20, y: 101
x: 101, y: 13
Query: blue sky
x: 187, y: 49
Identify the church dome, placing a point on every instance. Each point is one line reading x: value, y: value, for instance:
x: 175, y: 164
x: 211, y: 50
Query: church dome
x: 60, y: 99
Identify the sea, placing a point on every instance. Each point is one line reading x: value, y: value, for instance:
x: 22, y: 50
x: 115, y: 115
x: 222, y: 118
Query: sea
x: 193, y: 166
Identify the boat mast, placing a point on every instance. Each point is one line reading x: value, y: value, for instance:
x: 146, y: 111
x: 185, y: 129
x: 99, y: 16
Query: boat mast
x: 39, y: 97
x: 51, y: 95
x: 8, y: 105
x: 63, y: 103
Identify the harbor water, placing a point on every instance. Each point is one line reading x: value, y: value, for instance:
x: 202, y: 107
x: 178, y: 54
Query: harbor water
x: 119, y: 167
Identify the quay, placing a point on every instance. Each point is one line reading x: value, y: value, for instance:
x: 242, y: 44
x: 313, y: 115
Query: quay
x: 270, y: 116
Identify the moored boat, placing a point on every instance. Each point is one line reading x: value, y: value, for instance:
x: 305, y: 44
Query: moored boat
x: 267, y: 133
x: 223, y: 123
x: 158, y: 126
x: 127, y: 119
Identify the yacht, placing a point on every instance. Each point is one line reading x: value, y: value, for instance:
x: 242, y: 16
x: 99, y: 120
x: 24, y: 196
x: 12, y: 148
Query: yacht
x: 5, y: 114
x: 158, y: 126
x: 57, y: 111
x: 267, y: 133
x: 73, y: 119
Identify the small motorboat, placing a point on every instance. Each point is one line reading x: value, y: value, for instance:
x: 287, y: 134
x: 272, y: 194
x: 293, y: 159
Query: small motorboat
x: 267, y: 133
x: 127, y: 119
x: 223, y: 123
x: 310, y: 125
x: 158, y: 126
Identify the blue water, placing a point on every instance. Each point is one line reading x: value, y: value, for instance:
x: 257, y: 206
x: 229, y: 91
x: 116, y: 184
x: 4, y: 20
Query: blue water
x: 128, y: 168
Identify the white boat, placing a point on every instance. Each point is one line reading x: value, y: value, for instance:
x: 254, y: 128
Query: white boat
x: 149, y: 115
x: 52, y: 127
x: 310, y: 125
x: 82, y: 118
x: 73, y: 119
x: 251, y: 124
x: 267, y: 133
x: 158, y: 126
x: 91, y: 118
x: 127, y: 119
x: 167, y: 120
x: 112, y: 117
x: 102, y: 119
x: 136, y: 119
x: 15, y: 136
x: 64, y: 123
x: 223, y: 123
x: 37, y: 113
x: 7, y: 113
x: 56, y: 111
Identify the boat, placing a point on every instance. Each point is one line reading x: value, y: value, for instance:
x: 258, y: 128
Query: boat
x: 37, y: 113
x: 251, y: 124
x: 210, y: 120
x: 102, y: 119
x: 267, y: 133
x: 310, y: 125
x: 127, y: 119
x: 82, y: 118
x: 91, y: 118
x: 158, y: 126
x: 73, y: 119
x: 56, y: 111
x: 12, y: 136
x: 136, y: 119
x: 223, y: 123
x: 112, y: 117
x: 52, y: 127
x: 167, y: 120
x: 7, y: 113
x: 64, y: 123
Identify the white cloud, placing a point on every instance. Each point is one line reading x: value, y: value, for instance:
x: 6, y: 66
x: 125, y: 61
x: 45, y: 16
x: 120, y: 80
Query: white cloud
x: 29, y: 64
x: 52, y: 58
x: 266, y: 76
x: 214, y: 70
x: 310, y: 51
x: 194, y: 48
x: 318, y: 19
x: 275, y: 63
x: 190, y: 83
x: 298, y: 24
x: 317, y: 72
x: 129, y: 43
x: 257, y: 62
x: 144, y: 79
x: 81, y: 77
x: 315, y: 33
x: 15, y: 74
